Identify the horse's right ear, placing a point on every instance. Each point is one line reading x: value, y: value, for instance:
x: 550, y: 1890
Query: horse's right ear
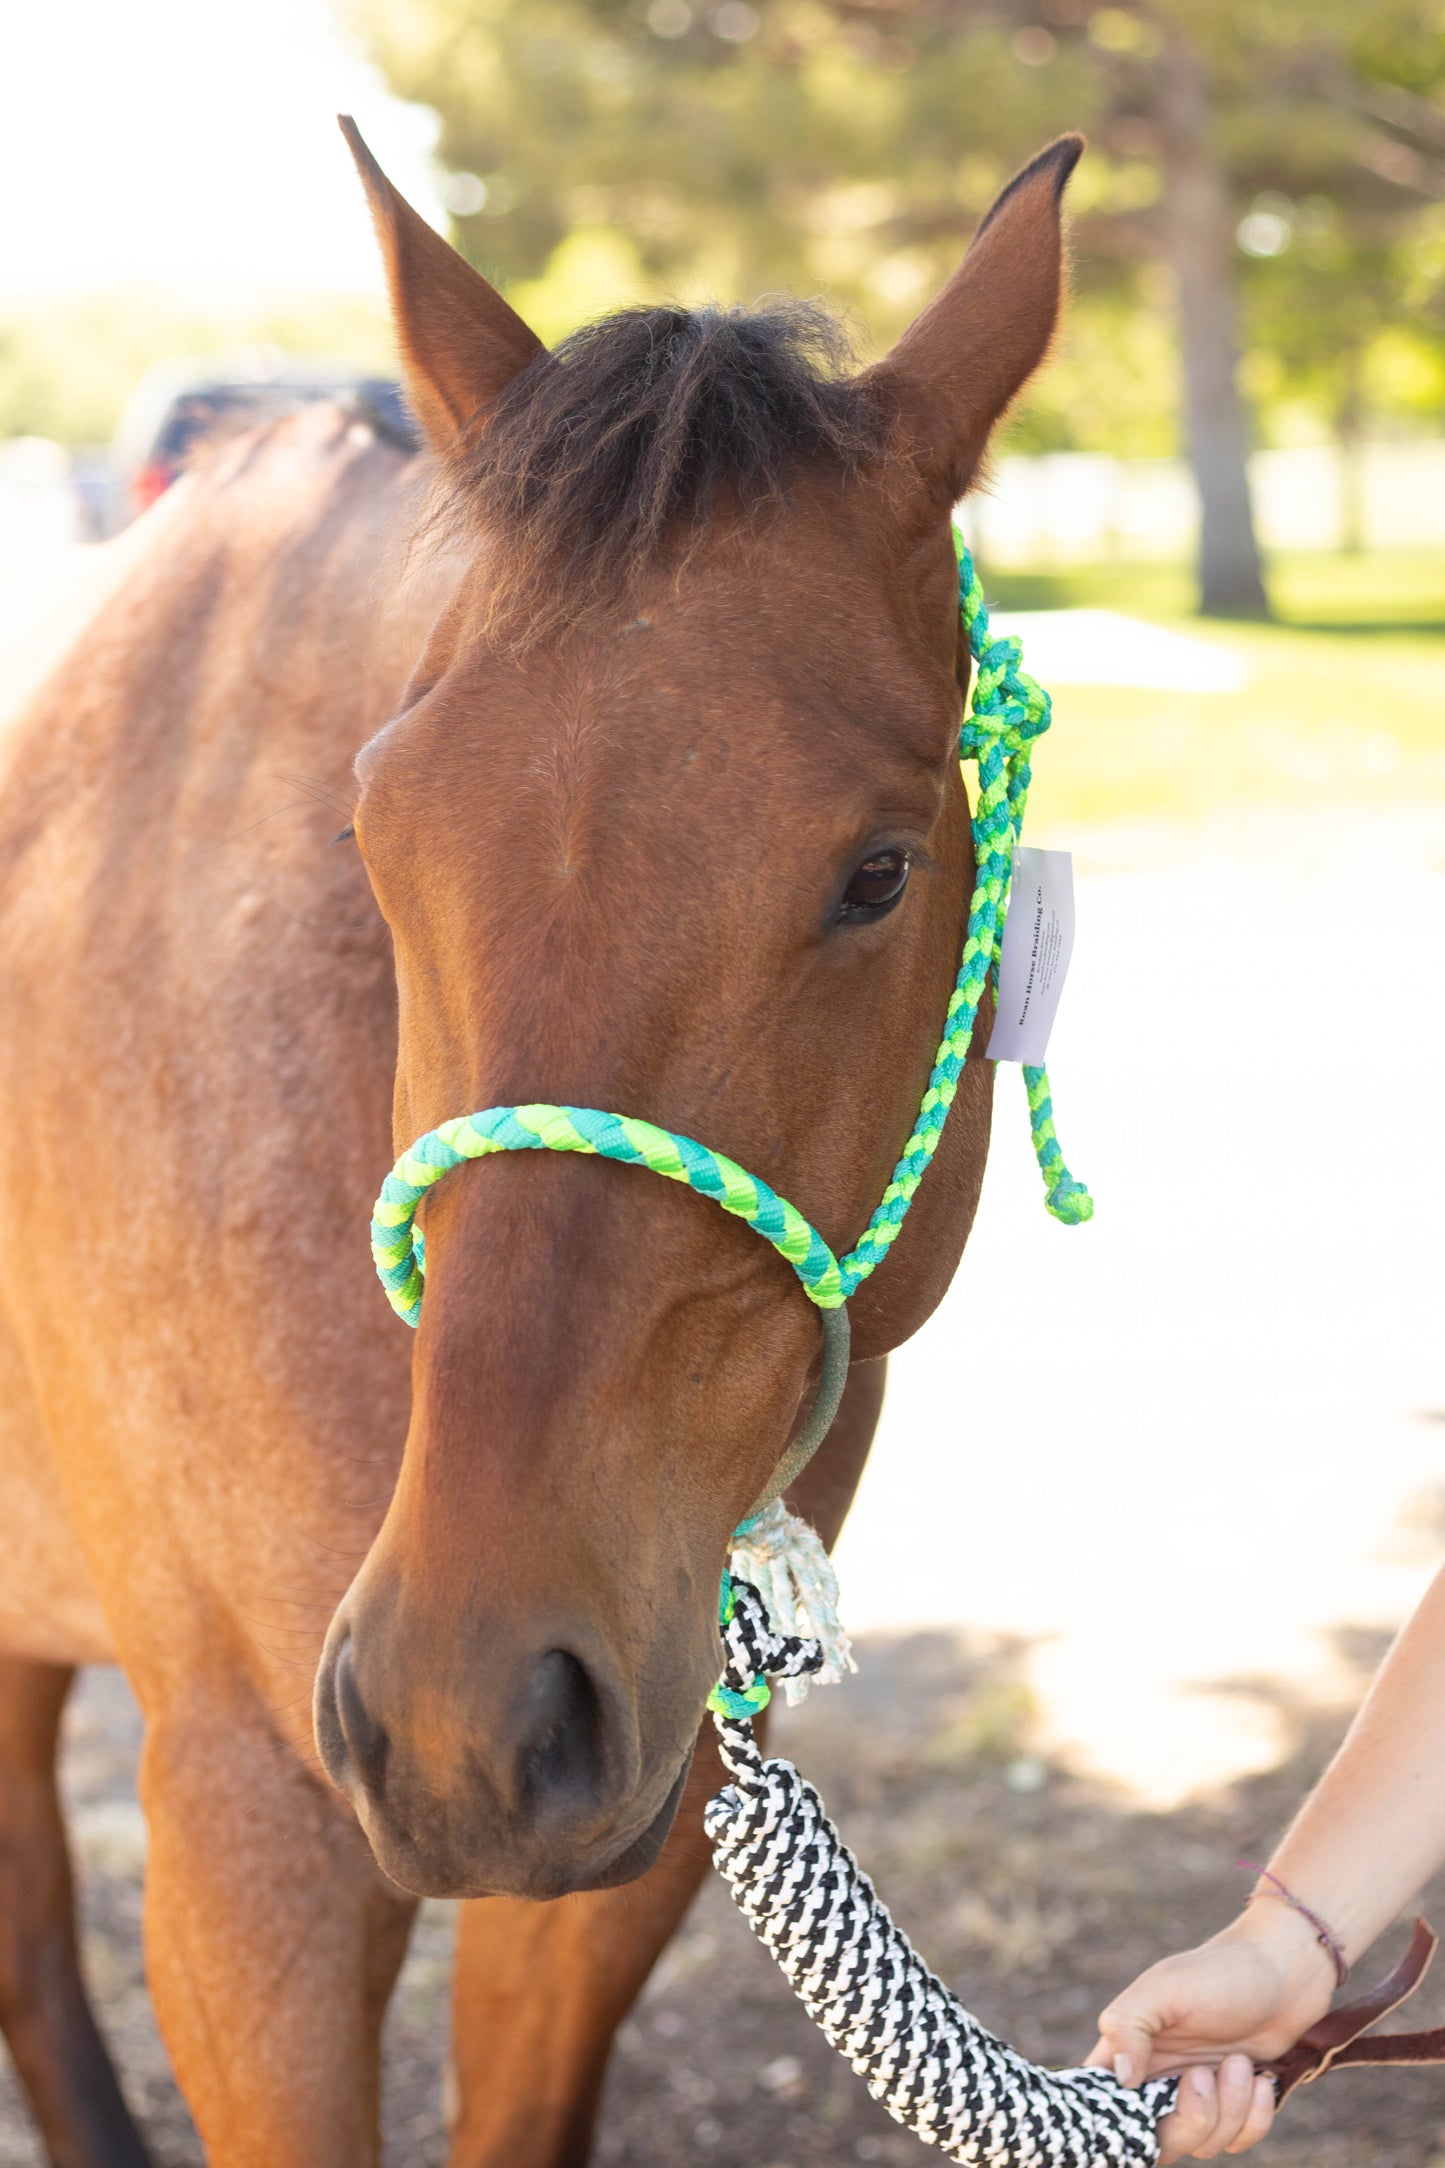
x: 460, y: 342
x: 966, y: 358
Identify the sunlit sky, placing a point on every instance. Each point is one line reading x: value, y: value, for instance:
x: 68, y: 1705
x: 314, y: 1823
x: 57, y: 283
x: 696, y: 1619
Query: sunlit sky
x: 192, y: 144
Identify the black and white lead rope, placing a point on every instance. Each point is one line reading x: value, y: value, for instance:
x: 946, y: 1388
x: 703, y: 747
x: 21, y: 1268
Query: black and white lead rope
x: 934, y: 2068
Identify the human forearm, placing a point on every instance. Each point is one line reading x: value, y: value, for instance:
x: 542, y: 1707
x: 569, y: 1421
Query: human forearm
x: 1373, y: 1831
x: 1369, y: 1836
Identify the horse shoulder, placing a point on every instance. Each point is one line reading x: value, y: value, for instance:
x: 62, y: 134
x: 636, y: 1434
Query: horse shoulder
x: 197, y: 1027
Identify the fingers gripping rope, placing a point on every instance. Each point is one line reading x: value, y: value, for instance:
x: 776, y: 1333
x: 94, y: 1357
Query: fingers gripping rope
x: 934, y: 2068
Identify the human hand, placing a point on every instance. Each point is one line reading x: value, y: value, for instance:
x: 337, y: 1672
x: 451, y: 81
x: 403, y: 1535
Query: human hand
x: 1213, y: 2013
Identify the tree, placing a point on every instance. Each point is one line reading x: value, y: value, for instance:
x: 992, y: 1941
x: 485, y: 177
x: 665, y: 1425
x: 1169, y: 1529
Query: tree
x: 733, y: 147
x: 1258, y: 105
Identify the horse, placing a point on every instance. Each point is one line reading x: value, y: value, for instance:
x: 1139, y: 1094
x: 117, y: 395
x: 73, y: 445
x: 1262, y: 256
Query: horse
x: 634, y: 692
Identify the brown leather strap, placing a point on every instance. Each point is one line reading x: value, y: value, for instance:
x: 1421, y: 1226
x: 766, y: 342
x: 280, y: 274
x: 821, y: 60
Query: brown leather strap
x: 1335, y: 2041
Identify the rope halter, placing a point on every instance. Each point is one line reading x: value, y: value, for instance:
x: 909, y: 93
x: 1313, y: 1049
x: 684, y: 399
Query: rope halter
x: 1007, y: 713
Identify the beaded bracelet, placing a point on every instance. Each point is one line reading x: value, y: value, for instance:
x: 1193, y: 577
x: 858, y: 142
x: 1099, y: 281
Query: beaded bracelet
x: 1324, y: 1935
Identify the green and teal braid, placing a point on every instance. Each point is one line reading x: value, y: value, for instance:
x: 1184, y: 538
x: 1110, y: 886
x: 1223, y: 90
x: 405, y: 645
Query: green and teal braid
x: 395, y: 1241
x: 1007, y: 712
x: 1067, y: 1199
x: 725, y: 1700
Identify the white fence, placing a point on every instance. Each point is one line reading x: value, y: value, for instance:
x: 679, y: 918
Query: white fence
x: 1064, y: 507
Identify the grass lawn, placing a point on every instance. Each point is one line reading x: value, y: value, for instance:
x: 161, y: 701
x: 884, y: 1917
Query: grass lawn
x: 1344, y: 703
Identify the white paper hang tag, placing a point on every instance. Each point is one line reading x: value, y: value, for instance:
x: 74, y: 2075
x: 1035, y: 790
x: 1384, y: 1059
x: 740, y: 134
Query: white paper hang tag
x: 1038, y: 940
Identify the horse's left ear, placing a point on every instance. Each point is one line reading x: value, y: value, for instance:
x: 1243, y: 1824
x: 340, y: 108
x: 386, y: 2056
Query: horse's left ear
x: 461, y: 343
x: 966, y: 358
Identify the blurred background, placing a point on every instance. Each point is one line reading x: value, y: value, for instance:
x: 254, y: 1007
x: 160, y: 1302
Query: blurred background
x: 1151, y: 1495
x: 1259, y: 303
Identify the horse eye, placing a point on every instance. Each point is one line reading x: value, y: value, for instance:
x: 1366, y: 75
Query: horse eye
x: 876, y: 886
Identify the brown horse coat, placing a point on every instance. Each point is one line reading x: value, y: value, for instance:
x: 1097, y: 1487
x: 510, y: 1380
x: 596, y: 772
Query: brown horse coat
x: 607, y: 861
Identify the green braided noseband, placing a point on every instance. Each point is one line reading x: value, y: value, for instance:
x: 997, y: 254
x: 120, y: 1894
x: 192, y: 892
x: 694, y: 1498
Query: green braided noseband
x: 1007, y: 712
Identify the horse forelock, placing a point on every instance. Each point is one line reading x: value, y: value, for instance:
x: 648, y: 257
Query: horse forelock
x: 634, y: 432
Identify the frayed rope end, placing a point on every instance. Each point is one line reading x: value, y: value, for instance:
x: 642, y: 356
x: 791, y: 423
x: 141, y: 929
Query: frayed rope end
x: 786, y: 1563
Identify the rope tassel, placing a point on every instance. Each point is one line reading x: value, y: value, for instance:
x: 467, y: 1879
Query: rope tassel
x: 784, y: 1560
x: 933, y: 2066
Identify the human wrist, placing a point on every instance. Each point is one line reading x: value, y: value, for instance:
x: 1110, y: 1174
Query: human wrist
x: 1269, y: 1884
x: 1285, y: 1939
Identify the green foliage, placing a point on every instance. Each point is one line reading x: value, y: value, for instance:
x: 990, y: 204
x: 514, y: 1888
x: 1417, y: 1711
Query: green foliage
x: 1111, y: 386
x: 811, y: 154
x: 67, y: 366
x: 605, y: 150
x: 1348, y: 323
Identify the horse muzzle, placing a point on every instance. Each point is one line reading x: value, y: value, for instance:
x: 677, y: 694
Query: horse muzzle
x: 525, y: 1776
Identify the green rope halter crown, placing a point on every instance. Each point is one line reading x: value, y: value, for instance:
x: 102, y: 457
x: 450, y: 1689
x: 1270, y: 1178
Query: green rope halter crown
x: 1007, y: 712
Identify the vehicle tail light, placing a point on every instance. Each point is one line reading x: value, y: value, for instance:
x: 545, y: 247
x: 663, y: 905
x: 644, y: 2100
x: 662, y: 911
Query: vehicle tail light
x: 152, y: 481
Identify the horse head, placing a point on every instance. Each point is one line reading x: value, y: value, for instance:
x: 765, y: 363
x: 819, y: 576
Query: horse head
x: 669, y: 823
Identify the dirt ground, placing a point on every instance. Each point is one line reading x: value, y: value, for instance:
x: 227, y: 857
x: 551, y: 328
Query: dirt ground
x: 1034, y: 1893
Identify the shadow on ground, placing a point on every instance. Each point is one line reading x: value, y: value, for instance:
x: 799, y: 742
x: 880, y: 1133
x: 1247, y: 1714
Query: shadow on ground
x: 1034, y: 1894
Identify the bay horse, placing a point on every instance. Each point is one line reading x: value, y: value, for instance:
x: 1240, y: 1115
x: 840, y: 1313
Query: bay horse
x: 651, y: 673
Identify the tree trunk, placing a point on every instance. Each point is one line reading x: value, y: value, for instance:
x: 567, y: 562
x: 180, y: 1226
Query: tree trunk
x: 1199, y: 228
x: 1350, y: 442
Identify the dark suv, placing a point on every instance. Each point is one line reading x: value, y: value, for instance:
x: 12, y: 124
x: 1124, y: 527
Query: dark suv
x: 174, y: 408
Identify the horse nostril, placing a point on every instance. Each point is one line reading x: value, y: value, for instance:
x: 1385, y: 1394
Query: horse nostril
x: 365, y: 1737
x: 562, y: 1760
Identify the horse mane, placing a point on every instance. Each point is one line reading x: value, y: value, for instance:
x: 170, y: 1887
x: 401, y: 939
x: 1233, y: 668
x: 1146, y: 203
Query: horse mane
x: 635, y: 430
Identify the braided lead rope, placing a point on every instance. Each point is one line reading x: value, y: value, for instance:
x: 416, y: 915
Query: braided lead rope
x: 933, y: 2066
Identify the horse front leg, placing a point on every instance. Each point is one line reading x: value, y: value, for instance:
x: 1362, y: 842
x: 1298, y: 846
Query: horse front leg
x: 540, y: 1989
x: 272, y: 1939
x: 58, y: 2051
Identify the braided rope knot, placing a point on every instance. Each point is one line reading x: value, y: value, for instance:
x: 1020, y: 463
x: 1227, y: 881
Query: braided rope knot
x: 754, y: 1651
x: 1012, y: 734
x: 1067, y: 1199
x: 786, y: 1563
x: 1009, y: 708
x: 1069, y: 1202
